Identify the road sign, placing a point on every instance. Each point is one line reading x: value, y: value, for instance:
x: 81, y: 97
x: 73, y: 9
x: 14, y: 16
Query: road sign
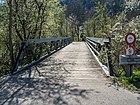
x: 130, y: 50
x: 129, y: 59
x: 130, y: 38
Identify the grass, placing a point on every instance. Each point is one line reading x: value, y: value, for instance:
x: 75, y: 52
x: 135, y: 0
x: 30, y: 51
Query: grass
x: 131, y: 83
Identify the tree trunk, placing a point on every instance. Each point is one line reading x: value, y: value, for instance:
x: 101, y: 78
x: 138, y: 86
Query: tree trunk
x: 10, y: 35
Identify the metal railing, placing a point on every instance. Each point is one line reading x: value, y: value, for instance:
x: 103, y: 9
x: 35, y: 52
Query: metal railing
x: 95, y: 44
x: 102, y: 48
x: 37, y: 47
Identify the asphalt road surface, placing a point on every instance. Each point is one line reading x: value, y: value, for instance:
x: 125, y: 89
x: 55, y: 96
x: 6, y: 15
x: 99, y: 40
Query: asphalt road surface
x: 71, y: 76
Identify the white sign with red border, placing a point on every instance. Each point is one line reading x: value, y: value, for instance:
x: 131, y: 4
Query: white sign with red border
x: 130, y: 50
x: 130, y: 38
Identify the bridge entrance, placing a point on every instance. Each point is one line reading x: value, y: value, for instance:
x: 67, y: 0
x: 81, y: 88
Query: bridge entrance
x: 71, y: 76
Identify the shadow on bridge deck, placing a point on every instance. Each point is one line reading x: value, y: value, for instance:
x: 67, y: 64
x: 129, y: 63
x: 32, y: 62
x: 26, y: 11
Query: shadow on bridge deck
x: 46, y: 87
x: 69, y: 77
x: 45, y: 84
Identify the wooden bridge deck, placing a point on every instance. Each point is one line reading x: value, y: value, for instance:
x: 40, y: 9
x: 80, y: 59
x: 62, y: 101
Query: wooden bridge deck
x: 78, y: 61
x: 71, y: 76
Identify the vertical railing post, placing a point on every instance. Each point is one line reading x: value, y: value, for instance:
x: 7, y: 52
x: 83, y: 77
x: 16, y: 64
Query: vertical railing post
x: 51, y: 46
x: 64, y: 42
x: 109, y: 57
x: 57, y: 44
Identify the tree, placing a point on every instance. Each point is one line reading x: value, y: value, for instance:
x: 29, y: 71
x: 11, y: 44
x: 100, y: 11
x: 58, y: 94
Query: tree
x: 10, y: 34
x: 30, y: 19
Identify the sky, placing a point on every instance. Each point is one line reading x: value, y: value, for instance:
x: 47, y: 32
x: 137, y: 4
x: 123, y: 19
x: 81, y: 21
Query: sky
x: 1, y: 1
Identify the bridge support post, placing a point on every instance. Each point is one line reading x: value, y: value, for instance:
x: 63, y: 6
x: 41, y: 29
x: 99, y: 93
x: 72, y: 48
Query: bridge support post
x: 109, y: 57
x: 110, y: 66
x: 128, y: 70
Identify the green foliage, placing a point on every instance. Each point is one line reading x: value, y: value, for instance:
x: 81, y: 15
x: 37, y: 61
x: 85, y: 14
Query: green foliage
x: 117, y: 50
x: 103, y: 57
x: 132, y: 83
x: 41, y: 19
x: 100, y: 24
x: 115, y: 26
x: 31, y: 19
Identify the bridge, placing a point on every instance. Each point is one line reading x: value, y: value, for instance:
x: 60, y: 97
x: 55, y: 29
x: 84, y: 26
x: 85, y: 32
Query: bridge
x: 68, y: 75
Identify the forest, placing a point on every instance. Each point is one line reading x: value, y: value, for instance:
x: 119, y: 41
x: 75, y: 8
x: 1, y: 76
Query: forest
x: 28, y: 19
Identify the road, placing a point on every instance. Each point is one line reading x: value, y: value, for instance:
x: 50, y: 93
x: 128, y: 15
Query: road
x: 71, y: 76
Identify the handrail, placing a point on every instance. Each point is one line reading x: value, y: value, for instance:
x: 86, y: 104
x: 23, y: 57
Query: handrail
x: 96, y: 44
x: 90, y: 43
x: 98, y: 40
x: 55, y: 45
x: 45, y: 40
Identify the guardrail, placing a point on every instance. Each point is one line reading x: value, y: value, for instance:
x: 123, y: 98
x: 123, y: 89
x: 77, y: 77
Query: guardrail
x: 51, y: 45
x: 102, y: 46
x: 95, y: 44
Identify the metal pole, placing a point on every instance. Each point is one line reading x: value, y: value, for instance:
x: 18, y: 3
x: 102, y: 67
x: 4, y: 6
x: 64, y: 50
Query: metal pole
x: 128, y: 70
x: 109, y: 57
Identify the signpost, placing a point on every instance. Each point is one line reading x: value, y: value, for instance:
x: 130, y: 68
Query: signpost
x: 130, y: 58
